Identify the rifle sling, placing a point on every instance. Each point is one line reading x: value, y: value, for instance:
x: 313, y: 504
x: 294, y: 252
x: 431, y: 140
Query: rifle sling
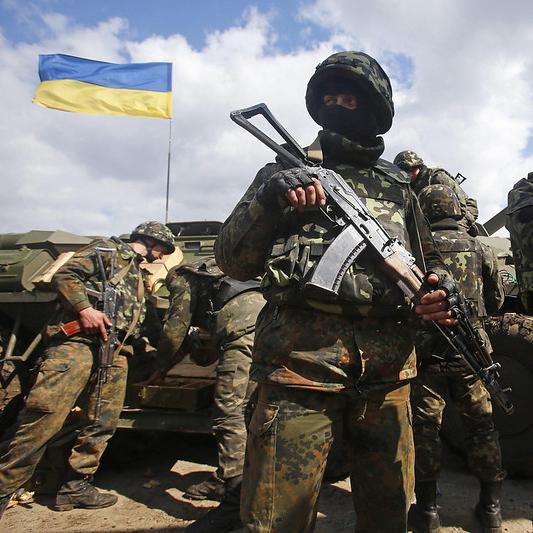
x: 115, y: 280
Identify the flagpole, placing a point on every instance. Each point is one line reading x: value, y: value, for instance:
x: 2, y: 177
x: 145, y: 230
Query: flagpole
x: 168, y: 166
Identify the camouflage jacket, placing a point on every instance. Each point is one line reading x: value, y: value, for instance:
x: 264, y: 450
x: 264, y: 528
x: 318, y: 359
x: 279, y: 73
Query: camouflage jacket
x: 282, y: 245
x: 433, y: 176
x: 475, y: 268
x: 196, y: 297
x: 82, y: 272
x: 519, y: 222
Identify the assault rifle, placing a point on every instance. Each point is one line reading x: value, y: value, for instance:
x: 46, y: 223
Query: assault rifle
x: 106, y: 351
x: 360, y: 231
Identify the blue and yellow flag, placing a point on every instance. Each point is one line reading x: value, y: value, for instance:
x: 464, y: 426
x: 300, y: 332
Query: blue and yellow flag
x: 82, y: 85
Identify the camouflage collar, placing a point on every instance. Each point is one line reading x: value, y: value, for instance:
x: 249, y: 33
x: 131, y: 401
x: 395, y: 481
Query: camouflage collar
x: 125, y: 250
x: 337, y: 148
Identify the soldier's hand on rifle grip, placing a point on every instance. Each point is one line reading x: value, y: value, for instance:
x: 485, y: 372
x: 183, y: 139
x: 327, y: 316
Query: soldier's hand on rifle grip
x: 310, y: 196
x: 94, y: 322
x: 434, y: 305
x: 294, y: 186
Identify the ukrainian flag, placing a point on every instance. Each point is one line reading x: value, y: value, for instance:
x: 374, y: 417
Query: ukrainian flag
x: 82, y: 85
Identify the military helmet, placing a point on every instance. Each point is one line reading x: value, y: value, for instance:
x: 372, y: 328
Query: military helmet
x: 407, y: 160
x: 438, y: 202
x: 157, y: 231
x: 367, y: 76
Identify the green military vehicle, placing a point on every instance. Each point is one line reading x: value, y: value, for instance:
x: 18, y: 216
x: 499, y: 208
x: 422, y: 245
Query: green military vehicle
x: 27, y: 263
x: 182, y: 402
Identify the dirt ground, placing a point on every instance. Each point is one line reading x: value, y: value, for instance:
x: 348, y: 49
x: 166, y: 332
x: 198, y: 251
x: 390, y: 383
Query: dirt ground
x: 150, y: 472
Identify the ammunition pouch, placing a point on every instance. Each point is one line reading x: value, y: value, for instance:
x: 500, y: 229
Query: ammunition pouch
x: 294, y: 258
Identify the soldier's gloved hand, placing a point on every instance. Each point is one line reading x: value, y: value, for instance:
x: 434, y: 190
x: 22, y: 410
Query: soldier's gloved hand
x: 294, y: 186
x: 435, y: 305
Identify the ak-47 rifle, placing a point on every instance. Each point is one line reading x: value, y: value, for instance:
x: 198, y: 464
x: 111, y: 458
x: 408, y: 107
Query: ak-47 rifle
x: 108, y: 301
x: 359, y: 231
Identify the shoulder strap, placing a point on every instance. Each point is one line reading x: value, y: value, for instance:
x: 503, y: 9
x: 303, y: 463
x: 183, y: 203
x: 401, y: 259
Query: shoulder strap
x: 137, y: 314
x: 392, y: 171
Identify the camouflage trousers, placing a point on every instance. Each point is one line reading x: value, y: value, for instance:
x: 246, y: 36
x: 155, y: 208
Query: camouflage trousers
x: 290, y: 436
x: 428, y: 398
x: 234, y: 331
x: 66, y: 372
x: 232, y: 392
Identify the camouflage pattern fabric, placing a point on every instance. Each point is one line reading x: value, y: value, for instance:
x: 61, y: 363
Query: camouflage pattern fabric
x: 81, y: 272
x: 68, y: 369
x: 438, y: 202
x: 192, y: 291
x: 287, y: 244
x: 475, y: 269
x: 430, y: 392
x: 290, y: 436
x: 407, y: 160
x: 365, y: 72
x: 432, y: 176
x: 519, y: 223
x: 233, y: 387
x: 157, y: 231
x: 65, y: 373
x: 306, y: 347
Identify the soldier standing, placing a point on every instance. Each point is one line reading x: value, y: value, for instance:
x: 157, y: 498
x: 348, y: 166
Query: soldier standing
x: 519, y: 222
x: 445, y: 375
x: 202, y: 296
x: 320, y: 362
x: 422, y: 176
x: 70, y: 365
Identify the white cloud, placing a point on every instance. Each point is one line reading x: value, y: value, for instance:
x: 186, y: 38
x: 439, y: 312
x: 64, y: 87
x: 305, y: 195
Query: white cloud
x: 467, y: 107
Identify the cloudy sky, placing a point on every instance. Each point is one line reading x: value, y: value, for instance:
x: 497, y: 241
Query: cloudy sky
x: 462, y: 74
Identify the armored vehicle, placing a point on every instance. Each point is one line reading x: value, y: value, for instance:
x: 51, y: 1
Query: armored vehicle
x: 27, y: 264
x: 182, y: 402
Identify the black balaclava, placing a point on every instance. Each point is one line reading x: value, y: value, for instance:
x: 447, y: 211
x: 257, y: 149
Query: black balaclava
x: 358, y: 124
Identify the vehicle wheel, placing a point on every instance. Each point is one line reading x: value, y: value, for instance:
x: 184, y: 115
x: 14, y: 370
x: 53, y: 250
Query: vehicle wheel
x: 511, y: 335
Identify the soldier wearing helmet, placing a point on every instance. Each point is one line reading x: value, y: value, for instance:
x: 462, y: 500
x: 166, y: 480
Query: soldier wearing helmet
x: 324, y: 364
x: 444, y: 377
x: 422, y: 176
x: 519, y: 222
x: 69, y: 364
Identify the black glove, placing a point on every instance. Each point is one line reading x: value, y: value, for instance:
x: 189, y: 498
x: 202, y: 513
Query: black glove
x: 447, y: 284
x: 272, y: 194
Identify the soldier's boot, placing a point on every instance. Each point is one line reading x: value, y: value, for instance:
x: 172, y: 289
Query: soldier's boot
x: 488, y: 509
x: 213, y: 488
x: 4, y: 502
x: 423, y: 516
x: 225, y: 517
x: 82, y: 494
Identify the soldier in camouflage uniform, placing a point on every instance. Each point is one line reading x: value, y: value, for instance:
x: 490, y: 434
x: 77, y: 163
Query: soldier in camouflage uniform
x: 322, y: 363
x: 202, y: 296
x: 519, y: 222
x: 444, y: 375
x: 69, y: 367
x: 422, y: 176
